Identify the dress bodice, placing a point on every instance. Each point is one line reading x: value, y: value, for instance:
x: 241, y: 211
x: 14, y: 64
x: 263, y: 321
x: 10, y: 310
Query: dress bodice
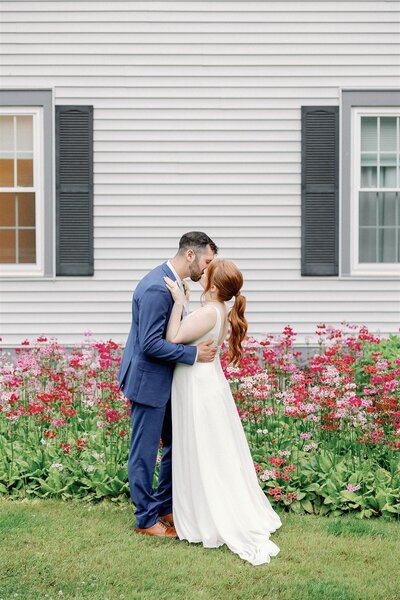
x: 214, y: 332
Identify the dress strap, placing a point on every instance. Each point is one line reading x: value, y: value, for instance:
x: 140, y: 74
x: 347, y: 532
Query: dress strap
x: 218, y: 321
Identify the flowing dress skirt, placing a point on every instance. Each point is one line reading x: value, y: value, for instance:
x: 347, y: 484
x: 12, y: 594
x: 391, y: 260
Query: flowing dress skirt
x: 216, y: 495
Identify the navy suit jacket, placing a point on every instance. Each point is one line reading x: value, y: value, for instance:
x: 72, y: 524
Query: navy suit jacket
x: 148, y: 361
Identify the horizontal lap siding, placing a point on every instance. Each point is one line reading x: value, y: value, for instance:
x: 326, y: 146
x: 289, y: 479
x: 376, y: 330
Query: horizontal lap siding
x: 197, y: 126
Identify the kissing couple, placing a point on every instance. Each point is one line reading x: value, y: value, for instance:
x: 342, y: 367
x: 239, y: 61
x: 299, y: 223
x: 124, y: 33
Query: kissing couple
x: 207, y: 491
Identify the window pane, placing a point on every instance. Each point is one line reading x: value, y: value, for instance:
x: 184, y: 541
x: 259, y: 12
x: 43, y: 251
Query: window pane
x: 24, y: 133
x: 369, y: 137
x: 25, y: 172
x: 7, y: 246
x: 388, y: 134
x: 6, y: 172
x: 369, y: 159
x: 379, y: 211
x: 367, y: 244
x: 387, y: 245
x: 368, y: 177
x: 387, y: 177
x: 27, y: 249
x: 26, y: 210
x: 367, y: 208
x: 387, y: 208
x: 6, y: 134
x: 17, y: 209
x: 7, y: 210
x: 387, y: 170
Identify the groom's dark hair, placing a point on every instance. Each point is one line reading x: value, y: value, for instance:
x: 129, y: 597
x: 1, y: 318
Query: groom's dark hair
x: 196, y: 239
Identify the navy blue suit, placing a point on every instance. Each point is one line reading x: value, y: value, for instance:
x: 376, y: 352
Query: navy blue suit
x: 145, y: 377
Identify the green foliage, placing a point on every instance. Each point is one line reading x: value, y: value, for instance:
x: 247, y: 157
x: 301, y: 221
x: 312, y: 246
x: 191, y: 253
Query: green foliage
x: 64, y: 424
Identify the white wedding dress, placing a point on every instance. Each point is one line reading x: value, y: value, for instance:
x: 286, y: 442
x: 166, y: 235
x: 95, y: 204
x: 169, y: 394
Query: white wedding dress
x: 216, y: 495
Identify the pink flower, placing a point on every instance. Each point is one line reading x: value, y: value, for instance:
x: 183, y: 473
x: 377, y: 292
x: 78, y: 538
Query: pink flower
x: 353, y: 488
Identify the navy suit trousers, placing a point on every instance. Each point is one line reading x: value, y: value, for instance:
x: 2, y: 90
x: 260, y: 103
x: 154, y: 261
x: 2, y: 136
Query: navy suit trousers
x: 149, y: 425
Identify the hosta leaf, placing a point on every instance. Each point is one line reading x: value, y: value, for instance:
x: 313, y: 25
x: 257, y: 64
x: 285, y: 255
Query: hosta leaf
x: 390, y: 509
x: 301, y: 495
x: 381, y: 499
x: 308, y: 507
x: 350, y: 496
x: 313, y: 487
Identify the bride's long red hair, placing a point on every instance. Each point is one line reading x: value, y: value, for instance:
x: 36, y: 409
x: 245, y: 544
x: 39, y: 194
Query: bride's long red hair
x: 228, y: 280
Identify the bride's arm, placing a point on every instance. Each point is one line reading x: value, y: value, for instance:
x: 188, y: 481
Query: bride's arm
x: 191, y: 328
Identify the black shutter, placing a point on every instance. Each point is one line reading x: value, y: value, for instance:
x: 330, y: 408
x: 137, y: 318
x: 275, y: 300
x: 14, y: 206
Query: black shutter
x: 74, y: 190
x: 319, y: 190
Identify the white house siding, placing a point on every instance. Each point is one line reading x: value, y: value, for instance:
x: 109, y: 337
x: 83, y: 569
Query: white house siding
x: 197, y: 127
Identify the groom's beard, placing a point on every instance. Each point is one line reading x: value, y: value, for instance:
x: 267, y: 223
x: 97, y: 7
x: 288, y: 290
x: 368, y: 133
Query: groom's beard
x: 195, y: 271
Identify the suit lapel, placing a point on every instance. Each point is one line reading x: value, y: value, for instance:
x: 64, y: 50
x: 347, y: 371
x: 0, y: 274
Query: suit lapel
x: 168, y: 271
x: 171, y: 275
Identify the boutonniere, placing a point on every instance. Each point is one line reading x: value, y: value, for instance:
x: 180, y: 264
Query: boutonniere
x: 186, y: 289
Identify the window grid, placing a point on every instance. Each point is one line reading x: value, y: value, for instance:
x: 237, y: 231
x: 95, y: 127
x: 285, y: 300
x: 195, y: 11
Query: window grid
x: 16, y: 189
x: 378, y: 228
x: 397, y: 154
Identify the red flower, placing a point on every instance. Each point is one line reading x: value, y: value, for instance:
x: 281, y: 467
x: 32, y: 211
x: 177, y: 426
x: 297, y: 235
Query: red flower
x: 66, y: 447
x: 80, y: 444
x: 277, y: 461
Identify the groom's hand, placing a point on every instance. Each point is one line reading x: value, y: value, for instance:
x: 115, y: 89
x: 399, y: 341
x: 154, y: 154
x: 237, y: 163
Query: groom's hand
x: 207, y: 351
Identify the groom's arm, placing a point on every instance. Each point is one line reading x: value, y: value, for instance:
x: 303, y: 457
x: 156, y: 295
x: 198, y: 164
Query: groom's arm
x: 155, y: 305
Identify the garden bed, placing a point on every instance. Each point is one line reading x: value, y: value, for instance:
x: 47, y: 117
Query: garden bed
x: 324, y: 435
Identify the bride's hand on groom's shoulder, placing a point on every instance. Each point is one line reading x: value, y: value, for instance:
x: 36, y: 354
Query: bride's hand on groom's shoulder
x: 174, y: 289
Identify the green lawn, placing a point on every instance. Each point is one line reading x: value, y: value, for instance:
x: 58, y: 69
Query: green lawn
x: 54, y: 549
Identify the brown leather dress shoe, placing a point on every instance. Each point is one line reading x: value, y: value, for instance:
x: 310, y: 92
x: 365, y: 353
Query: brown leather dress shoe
x: 158, y: 530
x: 168, y: 520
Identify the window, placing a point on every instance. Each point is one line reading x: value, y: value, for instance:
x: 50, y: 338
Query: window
x: 376, y: 197
x: 370, y: 172
x: 37, y: 220
x: 21, y: 198
x: 26, y: 184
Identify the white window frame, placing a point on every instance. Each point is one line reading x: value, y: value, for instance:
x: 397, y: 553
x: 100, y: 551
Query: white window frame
x: 358, y: 268
x: 30, y: 269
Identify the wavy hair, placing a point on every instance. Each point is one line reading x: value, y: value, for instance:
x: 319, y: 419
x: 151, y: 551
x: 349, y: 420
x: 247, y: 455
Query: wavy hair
x: 228, y: 280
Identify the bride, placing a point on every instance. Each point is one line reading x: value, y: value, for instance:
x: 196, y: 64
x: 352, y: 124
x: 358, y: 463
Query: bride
x: 216, y: 496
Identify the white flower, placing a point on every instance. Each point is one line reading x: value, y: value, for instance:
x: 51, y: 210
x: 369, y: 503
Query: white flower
x: 43, y: 441
x: 57, y: 466
x: 262, y: 431
x: 89, y: 468
x: 312, y: 446
x: 268, y: 474
x: 98, y: 455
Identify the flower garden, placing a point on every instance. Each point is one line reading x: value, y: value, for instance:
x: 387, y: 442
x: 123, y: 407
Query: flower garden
x: 324, y: 434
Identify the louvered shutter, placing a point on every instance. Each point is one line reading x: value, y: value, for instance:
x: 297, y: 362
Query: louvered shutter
x: 320, y: 190
x: 74, y: 190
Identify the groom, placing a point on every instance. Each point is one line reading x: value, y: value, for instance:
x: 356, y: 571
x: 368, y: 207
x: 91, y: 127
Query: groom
x: 145, y: 377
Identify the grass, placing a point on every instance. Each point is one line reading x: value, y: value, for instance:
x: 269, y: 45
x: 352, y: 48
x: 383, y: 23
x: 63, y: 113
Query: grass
x: 72, y: 550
